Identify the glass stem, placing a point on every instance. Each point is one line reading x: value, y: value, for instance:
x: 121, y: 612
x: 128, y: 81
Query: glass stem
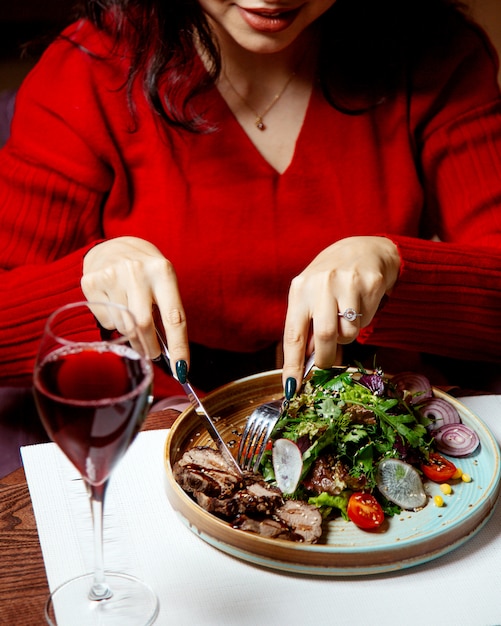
x: 100, y: 589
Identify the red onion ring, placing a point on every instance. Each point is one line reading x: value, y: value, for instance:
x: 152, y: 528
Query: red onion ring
x: 456, y: 439
x: 412, y: 387
x: 440, y: 412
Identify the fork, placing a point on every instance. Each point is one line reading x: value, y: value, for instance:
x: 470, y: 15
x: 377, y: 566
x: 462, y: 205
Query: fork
x: 260, y: 425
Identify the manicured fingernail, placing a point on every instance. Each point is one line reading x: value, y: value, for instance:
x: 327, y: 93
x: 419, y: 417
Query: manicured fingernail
x: 181, y: 371
x: 290, y: 388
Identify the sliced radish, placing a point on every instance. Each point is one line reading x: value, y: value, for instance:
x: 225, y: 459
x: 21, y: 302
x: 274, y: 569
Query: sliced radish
x: 440, y: 411
x: 412, y: 387
x: 287, y: 465
x: 400, y: 483
x: 456, y: 439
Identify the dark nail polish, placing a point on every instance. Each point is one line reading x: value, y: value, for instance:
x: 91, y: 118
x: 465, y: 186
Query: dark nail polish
x: 290, y: 388
x: 181, y: 371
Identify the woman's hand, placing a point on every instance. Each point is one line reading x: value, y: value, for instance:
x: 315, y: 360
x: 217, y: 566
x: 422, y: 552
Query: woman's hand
x: 133, y: 272
x: 354, y: 273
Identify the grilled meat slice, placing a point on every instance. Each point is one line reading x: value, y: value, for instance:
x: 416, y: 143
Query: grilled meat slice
x: 266, y: 527
x: 208, y: 458
x: 303, y: 518
x: 331, y: 475
x: 223, y: 507
x: 255, y: 498
x: 203, y: 469
x: 293, y: 521
x: 258, y: 497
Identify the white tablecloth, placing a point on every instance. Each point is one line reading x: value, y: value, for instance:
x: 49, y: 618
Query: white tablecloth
x: 199, y: 585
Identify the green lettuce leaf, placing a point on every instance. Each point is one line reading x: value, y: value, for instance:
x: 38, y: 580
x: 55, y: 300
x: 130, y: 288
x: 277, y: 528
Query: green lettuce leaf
x: 326, y: 502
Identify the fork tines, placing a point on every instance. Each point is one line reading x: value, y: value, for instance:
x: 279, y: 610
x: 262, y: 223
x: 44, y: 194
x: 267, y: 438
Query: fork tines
x: 256, y: 434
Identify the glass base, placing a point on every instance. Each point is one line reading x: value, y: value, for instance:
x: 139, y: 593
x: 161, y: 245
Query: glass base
x: 132, y: 603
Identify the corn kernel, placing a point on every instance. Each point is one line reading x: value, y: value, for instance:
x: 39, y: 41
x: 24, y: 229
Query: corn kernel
x: 446, y: 489
x: 438, y: 501
x: 458, y: 473
x: 466, y: 478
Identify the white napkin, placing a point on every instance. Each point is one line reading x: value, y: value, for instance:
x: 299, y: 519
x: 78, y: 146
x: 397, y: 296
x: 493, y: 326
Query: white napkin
x: 199, y: 585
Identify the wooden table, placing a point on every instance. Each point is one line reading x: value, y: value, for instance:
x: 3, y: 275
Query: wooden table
x: 23, y: 582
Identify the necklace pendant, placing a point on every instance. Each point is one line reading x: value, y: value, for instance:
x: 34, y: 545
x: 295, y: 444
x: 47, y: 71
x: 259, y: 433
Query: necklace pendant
x: 259, y: 123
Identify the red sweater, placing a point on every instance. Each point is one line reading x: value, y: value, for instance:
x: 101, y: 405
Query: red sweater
x: 427, y: 162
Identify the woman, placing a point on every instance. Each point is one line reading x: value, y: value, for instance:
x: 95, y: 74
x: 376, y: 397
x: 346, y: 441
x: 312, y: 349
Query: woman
x: 319, y: 171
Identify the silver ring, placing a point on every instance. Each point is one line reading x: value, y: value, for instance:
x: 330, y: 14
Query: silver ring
x: 350, y: 314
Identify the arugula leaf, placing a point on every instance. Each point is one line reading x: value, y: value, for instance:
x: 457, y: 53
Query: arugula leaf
x: 324, y: 378
x: 363, y: 464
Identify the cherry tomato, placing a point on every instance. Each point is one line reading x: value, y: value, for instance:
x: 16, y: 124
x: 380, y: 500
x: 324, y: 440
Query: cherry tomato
x: 365, y: 511
x: 438, y: 468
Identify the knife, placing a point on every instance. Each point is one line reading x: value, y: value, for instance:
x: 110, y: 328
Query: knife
x: 200, y: 410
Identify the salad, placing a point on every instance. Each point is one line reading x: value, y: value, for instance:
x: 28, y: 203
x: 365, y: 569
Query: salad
x: 362, y: 445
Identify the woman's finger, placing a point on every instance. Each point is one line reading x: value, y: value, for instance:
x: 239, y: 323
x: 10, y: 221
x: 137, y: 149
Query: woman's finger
x: 172, y: 317
x: 297, y: 333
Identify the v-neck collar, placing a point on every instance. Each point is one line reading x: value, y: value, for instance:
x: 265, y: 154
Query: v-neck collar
x: 229, y: 124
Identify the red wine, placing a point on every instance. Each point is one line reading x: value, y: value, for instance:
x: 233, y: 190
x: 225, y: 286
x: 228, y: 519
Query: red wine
x: 92, y: 403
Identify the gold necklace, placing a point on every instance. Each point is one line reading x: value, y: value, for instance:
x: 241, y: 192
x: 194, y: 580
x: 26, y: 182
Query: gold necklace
x: 259, y: 121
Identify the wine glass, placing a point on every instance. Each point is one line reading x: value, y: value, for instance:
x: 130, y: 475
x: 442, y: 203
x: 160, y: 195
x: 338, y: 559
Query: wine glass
x: 93, y: 390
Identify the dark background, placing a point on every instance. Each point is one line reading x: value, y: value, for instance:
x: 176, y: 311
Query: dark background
x: 24, y: 21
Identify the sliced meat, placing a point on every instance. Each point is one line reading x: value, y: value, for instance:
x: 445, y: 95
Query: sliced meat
x: 254, y: 498
x: 249, y: 503
x: 332, y: 476
x: 266, y: 527
x: 194, y: 478
x: 327, y: 474
x: 258, y: 497
x: 206, y: 457
x: 204, y: 469
x: 224, y: 507
x: 302, y: 518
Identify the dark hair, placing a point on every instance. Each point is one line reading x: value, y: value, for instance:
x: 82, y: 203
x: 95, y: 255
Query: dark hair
x: 365, y: 45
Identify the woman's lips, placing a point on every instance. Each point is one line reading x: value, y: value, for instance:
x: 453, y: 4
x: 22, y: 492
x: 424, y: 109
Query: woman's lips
x: 268, y: 20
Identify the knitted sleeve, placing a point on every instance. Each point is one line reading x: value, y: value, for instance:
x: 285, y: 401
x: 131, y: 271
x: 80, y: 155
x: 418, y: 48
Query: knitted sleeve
x: 448, y: 297
x: 52, y: 186
x: 447, y: 302
x: 46, y: 224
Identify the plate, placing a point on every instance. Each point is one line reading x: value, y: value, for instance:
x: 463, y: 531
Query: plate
x: 406, y: 540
